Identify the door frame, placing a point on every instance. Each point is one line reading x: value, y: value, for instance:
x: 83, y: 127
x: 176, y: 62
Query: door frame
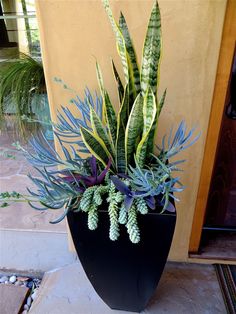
x: 223, y: 74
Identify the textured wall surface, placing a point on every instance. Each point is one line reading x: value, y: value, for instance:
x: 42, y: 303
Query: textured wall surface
x: 74, y: 31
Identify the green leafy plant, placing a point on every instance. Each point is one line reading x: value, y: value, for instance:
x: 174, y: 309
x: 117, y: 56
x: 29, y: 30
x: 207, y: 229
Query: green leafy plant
x: 123, y: 170
x: 20, y: 80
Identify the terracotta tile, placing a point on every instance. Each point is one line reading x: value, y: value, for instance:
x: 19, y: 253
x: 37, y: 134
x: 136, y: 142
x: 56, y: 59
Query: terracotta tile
x: 12, y: 298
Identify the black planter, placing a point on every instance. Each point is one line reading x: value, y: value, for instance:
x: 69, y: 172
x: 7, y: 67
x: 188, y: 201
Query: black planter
x: 125, y: 275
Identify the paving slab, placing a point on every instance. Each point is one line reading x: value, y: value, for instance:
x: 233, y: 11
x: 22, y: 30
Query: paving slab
x: 28, y: 242
x: 183, y: 289
x: 12, y: 298
x: 13, y: 177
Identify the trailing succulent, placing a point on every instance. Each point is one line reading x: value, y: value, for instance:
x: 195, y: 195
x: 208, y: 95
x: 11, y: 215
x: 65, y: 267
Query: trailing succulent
x: 124, y: 171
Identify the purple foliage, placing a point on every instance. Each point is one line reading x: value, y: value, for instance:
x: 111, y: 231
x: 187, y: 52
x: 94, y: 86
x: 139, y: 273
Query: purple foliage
x: 93, y: 179
x: 131, y: 195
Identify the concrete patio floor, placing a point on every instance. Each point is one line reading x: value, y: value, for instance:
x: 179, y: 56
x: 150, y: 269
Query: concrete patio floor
x: 183, y: 289
x: 24, y: 231
x: 13, y: 177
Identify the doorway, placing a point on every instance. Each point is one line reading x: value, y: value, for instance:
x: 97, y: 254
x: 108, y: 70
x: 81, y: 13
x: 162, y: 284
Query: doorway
x: 219, y: 229
x: 204, y: 217
x: 221, y: 204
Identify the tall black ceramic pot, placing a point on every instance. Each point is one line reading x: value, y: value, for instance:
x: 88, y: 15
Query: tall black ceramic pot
x: 125, y: 275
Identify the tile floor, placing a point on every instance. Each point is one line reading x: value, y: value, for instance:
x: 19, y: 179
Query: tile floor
x: 26, y: 234
x: 183, y: 289
x: 13, y: 177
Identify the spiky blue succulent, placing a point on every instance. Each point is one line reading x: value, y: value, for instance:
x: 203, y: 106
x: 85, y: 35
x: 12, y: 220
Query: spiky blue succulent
x: 68, y: 127
x: 177, y: 143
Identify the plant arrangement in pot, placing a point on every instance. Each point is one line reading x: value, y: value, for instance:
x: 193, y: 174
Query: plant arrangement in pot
x: 120, y: 198
x: 23, y: 93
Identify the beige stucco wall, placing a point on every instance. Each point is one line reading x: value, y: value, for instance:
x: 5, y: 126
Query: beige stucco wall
x: 74, y: 31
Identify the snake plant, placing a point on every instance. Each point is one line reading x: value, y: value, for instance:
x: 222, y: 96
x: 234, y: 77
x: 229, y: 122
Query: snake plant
x: 130, y: 132
x: 109, y: 156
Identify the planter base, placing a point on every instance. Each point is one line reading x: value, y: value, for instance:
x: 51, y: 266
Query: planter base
x: 125, y: 275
